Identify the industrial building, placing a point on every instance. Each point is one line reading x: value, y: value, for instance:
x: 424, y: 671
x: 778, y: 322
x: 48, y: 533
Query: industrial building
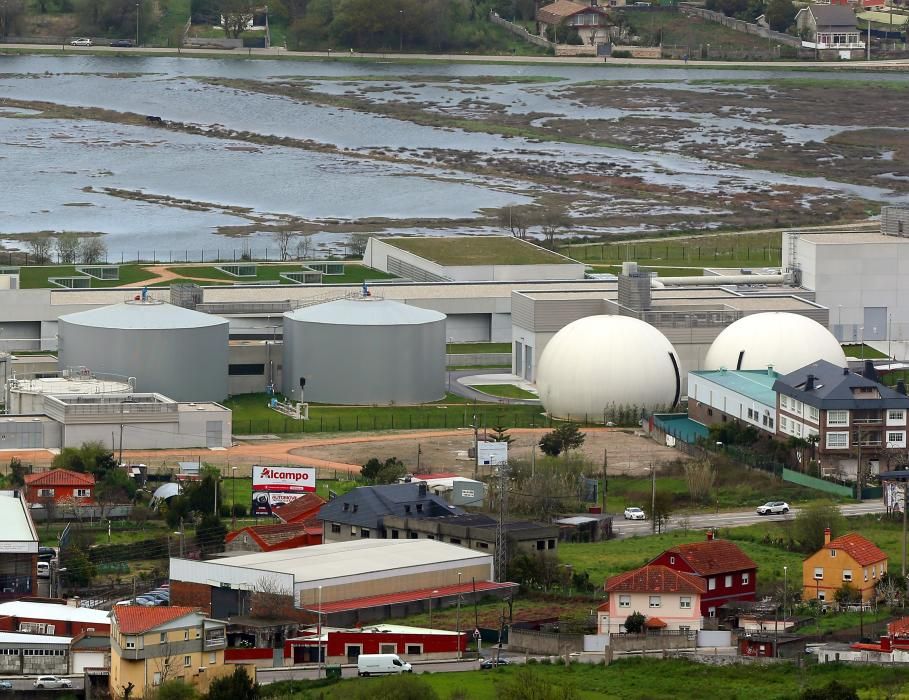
x: 19, y: 544
x: 362, y: 580
x: 364, y: 350
x: 169, y: 350
x: 26, y: 394
x: 57, y: 619
x: 33, y: 654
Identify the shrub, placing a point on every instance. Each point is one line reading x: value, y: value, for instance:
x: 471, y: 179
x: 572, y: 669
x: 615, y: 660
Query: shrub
x: 621, y: 54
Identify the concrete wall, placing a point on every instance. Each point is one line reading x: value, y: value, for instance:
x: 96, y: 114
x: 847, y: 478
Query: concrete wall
x: 189, y: 429
x: 254, y: 352
x: 544, y: 643
x: 37, y: 432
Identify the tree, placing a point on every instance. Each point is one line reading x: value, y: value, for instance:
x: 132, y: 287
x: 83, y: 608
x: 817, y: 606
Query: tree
x: 500, y: 434
x: 40, y: 249
x: 659, y: 509
x: 780, y: 14
x: 891, y: 589
x: 17, y: 472
x: 834, y: 690
x: 356, y: 244
x: 237, y: 686
x: 175, y: 688
x: 210, y: 534
x: 515, y: 221
x: 271, y: 601
x: 846, y: 595
x: 11, y: 14
x: 548, y: 486
x: 562, y: 439
x: 808, y: 526
x: 284, y: 239
x: 551, y: 222
x: 700, y: 476
x: 67, y: 248
x: 204, y: 496
x: 303, y: 249
x: 79, y: 569
x: 634, y: 623
x: 387, y: 472
x: 92, y: 250
x: 236, y: 14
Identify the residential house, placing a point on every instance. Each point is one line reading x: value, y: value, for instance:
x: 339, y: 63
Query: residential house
x: 90, y: 650
x: 589, y: 20
x: 851, y: 416
x: 670, y: 600
x: 360, y: 513
x: 475, y: 531
x: 729, y: 575
x: 152, y: 645
x: 19, y: 544
x: 830, y: 28
x: 60, y: 486
x: 742, y: 396
x: 300, y: 510
x: 268, y: 538
x: 848, y: 559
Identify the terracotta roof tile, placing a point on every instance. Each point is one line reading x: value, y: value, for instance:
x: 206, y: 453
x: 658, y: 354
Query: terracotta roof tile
x: 555, y: 12
x: 655, y: 579
x: 714, y: 557
x: 301, y: 508
x: 136, y: 619
x: 864, y: 551
x: 654, y: 623
x: 276, y: 534
x: 899, y: 628
x: 59, y: 477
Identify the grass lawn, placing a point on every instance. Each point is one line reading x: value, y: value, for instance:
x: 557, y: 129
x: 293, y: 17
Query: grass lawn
x: 628, y: 679
x: 241, y: 490
x: 858, y: 350
x: 678, y: 29
x: 353, y: 273
x: 731, y: 250
x: 252, y: 416
x: 506, y: 391
x: 36, y: 277
x: 471, y: 348
x: 478, y: 250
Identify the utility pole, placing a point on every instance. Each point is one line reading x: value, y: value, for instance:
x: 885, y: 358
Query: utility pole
x: 121, y: 444
x: 652, y: 498
x: 905, y: 492
x: 868, y: 47
x: 459, y: 617
x: 605, y: 482
x: 182, y: 539
x: 501, y: 560
x: 476, y: 447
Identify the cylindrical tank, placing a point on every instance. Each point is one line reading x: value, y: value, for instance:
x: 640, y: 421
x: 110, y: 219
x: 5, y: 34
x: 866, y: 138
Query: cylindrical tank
x: 176, y: 352
x: 364, y: 351
x: 25, y: 395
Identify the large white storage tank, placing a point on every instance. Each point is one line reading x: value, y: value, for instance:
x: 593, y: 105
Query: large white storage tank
x: 786, y: 341
x: 363, y: 351
x: 598, y: 363
x: 170, y: 350
x: 25, y: 395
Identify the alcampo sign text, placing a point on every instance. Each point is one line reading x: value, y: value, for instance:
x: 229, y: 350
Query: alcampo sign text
x: 284, y: 479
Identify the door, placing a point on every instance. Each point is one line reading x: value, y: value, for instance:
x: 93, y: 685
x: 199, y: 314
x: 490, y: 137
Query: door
x: 213, y: 437
x: 519, y: 358
x: 875, y: 323
x: 528, y: 363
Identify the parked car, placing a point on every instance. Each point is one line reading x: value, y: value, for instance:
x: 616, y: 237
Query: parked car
x: 122, y: 43
x: 53, y: 682
x: 773, y: 508
x: 634, y: 513
x: 46, y: 553
x: 492, y: 662
x: 145, y: 601
x: 6, y: 685
x: 82, y: 41
x: 43, y: 569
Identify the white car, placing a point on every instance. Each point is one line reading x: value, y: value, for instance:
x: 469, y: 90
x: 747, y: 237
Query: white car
x: 773, y: 508
x: 81, y: 42
x: 634, y: 513
x: 53, y: 682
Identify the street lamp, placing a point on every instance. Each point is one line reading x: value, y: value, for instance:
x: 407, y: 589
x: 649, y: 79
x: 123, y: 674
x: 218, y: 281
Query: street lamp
x: 785, y: 594
x: 138, y: 14
x: 459, y: 617
x: 430, y: 608
x: 401, y: 32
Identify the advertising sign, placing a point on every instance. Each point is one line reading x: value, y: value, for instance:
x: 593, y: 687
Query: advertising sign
x: 272, y: 486
x: 492, y: 453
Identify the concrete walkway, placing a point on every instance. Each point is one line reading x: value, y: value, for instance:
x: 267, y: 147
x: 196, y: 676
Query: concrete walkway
x: 460, y: 383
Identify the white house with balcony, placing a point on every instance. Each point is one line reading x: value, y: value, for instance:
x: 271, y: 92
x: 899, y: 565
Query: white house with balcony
x: 830, y: 28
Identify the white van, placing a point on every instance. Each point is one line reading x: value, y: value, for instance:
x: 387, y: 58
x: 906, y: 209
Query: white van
x: 379, y: 664
x: 43, y: 569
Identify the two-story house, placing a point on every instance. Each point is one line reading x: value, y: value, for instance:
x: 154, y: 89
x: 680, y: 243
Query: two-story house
x: 728, y: 574
x: 150, y: 646
x: 850, y: 559
x: 853, y: 418
x: 589, y: 20
x: 830, y: 29
x: 360, y: 513
x: 60, y: 486
x: 670, y: 600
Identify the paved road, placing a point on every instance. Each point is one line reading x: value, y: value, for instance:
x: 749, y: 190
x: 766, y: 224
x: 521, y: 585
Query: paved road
x: 342, y: 55
x: 26, y: 683
x: 297, y: 673
x: 627, y: 528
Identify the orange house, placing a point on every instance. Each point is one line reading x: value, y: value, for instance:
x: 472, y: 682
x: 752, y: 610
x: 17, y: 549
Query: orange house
x: 848, y: 559
x: 60, y: 485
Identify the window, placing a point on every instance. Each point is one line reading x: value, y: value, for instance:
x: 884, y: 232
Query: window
x: 416, y: 649
x: 784, y: 423
x: 873, y: 570
x: 656, y: 601
x: 83, y: 493
x: 353, y: 530
x: 550, y: 544
x: 46, y: 493
x: 813, y: 414
x: 728, y: 581
x: 847, y: 575
x: 822, y: 596
x: 352, y: 651
x: 837, y: 440
x: 711, y: 584
x: 250, y: 369
x: 770, y: 422
x: 212, y: 657
x: 672, y: 560
x: 684, y: 629
x: 819, y: 572
x: 394, y: 534
x: 187, y: 661
x: 130, y: 643
x: 156, y: 679
x: 541, y: 545
x: 455, y: 540
x: 746, y: 579
x: 837, y: 418
x: 336, y: 528
x: 896, y: 439
x: 412, y: 536
x: 896, y: 417
x: 624, y: 601
x: 750, y: 413
x: 711, y: 612
x: 833, y: 553
x: 388, y: 648
x: 185, y: 635
x: 685, y: 602
x: 163, y: 637
x: 364, y: 533
x: 865, y: 572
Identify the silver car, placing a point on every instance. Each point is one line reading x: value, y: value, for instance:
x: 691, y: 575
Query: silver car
x: 53, y: 682
x: 773, y: 508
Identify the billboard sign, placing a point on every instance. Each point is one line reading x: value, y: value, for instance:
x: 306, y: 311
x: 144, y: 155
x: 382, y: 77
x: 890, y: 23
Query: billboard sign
x: 492, y: 453
x: 273, y: 486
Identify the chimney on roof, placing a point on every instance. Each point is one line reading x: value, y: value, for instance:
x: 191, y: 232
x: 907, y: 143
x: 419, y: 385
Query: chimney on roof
x: 809, y: 383
x: 826, y: 535
x: 869, y: 372
x: 422, y: 489
x: 845, y: 371
x: 710, y: 535
x: 901, y: 387
x: 769, y: 370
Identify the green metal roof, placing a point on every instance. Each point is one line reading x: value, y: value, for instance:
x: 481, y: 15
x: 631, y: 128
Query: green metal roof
x: 756, y: 384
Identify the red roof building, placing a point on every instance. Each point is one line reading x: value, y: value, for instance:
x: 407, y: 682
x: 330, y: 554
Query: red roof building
x: 301, y: 509
x: 60, y: 486
x: 136, y: 619
x: 727, y: 572
x: 668, y: 599
x: 269, y: 538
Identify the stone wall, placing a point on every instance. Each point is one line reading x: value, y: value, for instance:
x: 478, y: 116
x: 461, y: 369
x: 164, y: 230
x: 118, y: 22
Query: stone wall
x: 641, y: 51
x: 45, y: 665
x: 520, y: 31
x: 544, y: 643
x: 575, y: 50
x: 740, y: 26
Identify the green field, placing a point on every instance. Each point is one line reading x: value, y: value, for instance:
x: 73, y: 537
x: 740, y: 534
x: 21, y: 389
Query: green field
x: 252, y: 416
x: 36, y: 277
x: 478, y: 250
x: 730, y: 250
x: 266, y: 272
x: 661, y: 271
x: 472, y: 348
x: 863, y: 351
x: 629, y: 679
x: 505, y: 391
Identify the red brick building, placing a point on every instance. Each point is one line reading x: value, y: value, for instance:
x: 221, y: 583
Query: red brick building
x: 270, y: 538
x: 57, y: 619
x: 61, y: 485
x: 729, y: 573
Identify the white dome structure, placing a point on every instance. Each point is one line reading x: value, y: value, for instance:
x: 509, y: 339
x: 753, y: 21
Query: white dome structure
x: 602, y: 362
x: 786, y: 341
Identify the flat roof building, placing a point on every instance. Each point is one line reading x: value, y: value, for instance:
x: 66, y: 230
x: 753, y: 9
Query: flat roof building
x: 19, y: 544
